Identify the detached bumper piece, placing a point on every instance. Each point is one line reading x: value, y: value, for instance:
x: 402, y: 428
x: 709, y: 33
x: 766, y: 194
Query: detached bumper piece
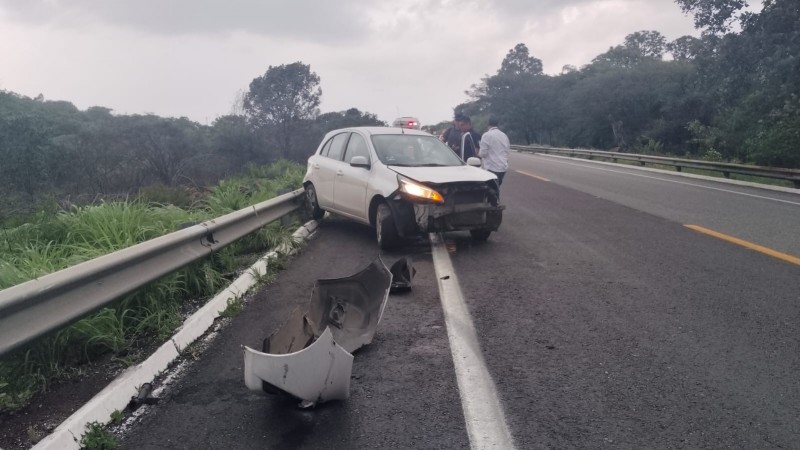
x: 316, y: 374
x: 310, y: 356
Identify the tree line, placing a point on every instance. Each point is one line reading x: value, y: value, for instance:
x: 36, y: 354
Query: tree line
x: 732, y: 94
x: 727, y: 95
x: 53, y: 155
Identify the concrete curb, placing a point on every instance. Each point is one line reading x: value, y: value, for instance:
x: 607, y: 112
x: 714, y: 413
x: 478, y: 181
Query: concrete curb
x: 118, y: 393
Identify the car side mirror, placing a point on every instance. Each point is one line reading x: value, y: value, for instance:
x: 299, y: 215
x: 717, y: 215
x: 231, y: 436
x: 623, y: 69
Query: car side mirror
x: 359, y: 161
x: 473, y: 161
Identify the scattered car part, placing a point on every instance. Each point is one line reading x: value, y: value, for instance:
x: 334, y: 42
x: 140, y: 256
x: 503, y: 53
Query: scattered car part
x: 403, y: 272
x: 315, y: 374
x: 143, y: 398
x: 351, y: 306
x: 310, y: 356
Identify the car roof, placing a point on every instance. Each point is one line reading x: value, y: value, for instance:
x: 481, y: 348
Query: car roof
x: 379, y: 130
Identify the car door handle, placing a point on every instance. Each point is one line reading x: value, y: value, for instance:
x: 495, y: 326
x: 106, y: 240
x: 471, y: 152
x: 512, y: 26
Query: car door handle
x: 339, y: 173
x: 316, y: 166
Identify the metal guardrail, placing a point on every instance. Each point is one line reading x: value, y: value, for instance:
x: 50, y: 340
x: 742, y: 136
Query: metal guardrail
x: 37, y: 307
x: 726, y: 169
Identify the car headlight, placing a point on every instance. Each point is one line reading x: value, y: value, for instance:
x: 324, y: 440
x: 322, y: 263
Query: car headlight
x: 419, y: 191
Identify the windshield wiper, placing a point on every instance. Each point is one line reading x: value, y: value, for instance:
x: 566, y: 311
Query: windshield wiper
x: 433, y: 165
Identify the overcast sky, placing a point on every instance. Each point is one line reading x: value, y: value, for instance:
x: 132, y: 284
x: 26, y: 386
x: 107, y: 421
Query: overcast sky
x: 391, y: 58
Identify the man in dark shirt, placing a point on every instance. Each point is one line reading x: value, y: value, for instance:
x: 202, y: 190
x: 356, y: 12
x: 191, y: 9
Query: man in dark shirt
x: 470, y: 139
x: 452, y: 135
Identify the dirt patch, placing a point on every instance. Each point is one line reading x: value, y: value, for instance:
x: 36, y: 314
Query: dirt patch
x: 24, y: 428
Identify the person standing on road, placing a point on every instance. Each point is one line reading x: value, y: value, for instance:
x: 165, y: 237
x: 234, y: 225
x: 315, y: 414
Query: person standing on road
x: 452, y: 135
x: 470, y: 139
x: 494, y: 150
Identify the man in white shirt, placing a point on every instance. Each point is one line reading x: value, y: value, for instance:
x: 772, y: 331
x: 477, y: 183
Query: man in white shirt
x: 494, y: 150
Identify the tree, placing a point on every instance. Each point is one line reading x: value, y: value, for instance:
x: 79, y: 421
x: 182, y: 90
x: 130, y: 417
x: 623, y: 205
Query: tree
x: 685, y: 48
x: 519, y: 62
x: 164, y: 147
x: 715, y: 16
x: 638, y: 47
x: 649, y: 44
x: 281, y: 99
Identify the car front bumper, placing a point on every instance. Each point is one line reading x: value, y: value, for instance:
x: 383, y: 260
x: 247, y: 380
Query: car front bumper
x: 466, y: 207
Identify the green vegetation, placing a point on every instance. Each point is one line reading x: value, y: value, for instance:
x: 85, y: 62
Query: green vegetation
x: 98, y: 438
x: 117, y: 416
x: 123, y: 330
x: 729, y: 95
x: 234, y: 308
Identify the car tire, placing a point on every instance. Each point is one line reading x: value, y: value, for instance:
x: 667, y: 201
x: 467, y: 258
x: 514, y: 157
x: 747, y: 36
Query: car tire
x: 385, y: 227
x: 312, y: 205
x: 480, y: 235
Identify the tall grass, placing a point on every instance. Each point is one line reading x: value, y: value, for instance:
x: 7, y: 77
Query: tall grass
x: 122, y: 330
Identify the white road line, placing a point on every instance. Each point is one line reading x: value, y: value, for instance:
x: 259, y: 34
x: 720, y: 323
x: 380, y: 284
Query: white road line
x: 486, y: 423
x: 589, y: 165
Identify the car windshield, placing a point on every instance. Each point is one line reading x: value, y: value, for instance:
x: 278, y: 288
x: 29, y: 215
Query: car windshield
x: 412, y: 150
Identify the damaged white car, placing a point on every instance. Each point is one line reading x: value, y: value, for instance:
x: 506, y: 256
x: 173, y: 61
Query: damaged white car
x: 403, y: 182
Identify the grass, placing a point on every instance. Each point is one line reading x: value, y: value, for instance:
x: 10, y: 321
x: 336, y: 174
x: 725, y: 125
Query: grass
x: 98, y: 438
x: 51, y: 242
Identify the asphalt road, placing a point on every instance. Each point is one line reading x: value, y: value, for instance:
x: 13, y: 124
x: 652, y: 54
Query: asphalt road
x: 602, y: 319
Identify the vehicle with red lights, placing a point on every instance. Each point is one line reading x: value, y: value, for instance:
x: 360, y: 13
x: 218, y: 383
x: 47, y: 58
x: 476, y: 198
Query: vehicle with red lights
x: 407, y: 122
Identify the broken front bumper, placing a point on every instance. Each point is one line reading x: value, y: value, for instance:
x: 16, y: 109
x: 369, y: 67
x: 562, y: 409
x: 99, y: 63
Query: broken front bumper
x: 310, y: 356
x: 467, y: 206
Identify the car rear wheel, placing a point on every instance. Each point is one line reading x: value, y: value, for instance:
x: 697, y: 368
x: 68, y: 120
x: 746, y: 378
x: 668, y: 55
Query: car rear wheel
x: 312, y: 206
x: 480, y: 235
x: 385, y: 228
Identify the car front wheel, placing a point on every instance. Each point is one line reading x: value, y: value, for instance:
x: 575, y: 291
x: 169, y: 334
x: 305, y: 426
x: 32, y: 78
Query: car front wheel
x: 385, y: 228
x: 312, y: 205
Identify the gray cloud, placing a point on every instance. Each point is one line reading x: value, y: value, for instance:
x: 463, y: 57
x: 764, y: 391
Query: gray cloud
x: 320, y: 21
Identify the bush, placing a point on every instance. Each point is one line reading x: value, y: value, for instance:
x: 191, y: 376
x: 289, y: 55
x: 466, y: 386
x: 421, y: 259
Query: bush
x: 167, y: 195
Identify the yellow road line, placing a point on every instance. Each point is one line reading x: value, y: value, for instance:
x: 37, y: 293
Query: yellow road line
x: 767, y: 251
x: 531, y: 175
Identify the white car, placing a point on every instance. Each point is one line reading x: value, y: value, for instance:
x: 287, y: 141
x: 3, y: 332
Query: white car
x: 403, y: 182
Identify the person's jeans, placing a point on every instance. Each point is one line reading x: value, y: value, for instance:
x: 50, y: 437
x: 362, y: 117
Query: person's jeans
x: 500, y: 176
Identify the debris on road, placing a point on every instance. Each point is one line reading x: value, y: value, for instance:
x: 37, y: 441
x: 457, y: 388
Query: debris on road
x: 310, y: 356
x: 403, y: 272
x: 143, y: 398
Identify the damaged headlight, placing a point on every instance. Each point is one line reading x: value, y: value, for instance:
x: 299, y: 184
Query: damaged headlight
x: 418, y: 191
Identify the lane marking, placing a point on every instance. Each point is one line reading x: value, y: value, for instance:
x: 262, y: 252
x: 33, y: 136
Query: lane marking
x: 486, y: 423
x: 532, y: 175
x: 679, y: 182
x: 759, y: 248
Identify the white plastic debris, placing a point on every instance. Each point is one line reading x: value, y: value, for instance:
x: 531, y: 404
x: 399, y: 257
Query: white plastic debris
x: 315, y: 374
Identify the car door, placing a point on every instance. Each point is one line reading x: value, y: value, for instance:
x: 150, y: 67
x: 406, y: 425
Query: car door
x: 350, y: 185
x: 325, y: 168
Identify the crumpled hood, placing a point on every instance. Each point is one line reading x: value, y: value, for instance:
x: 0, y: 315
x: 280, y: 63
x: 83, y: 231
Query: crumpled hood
x: 439, y: 175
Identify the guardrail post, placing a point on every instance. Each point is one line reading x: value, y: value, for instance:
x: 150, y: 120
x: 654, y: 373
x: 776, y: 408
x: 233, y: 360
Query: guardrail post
x: 727, y: 174
x: 678, y: 168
